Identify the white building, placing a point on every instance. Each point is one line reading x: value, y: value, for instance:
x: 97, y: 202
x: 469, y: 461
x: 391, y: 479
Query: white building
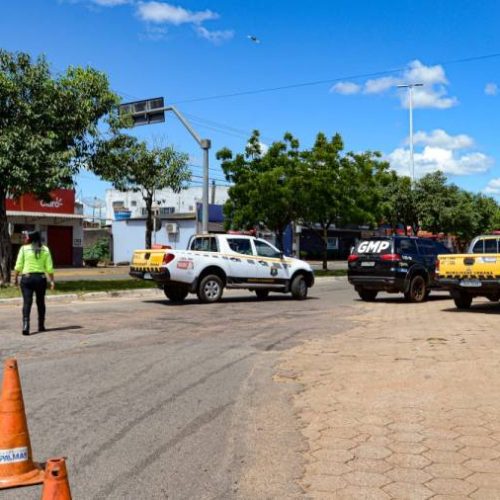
x: 177, y: 221
x: 168, y: 201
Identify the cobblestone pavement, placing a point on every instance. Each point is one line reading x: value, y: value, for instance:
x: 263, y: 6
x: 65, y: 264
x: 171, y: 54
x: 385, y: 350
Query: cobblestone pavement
x: 405, y: 405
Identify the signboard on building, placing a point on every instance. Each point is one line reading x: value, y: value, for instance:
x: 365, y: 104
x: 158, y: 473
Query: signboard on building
x: 62, y: 202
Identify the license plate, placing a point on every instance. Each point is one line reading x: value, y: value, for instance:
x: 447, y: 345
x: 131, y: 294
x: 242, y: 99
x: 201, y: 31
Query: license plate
x: 367, y: 264
x: 470, y: 283
x: 147, y: 276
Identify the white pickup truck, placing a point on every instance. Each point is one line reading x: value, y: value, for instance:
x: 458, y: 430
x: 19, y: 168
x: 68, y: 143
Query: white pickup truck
x: 213, y: 262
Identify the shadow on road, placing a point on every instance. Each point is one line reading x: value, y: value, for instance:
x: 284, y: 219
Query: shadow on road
x: 227, y: 300
x: 487, y: 308
x: 399, y: 299
x: 59, y: 329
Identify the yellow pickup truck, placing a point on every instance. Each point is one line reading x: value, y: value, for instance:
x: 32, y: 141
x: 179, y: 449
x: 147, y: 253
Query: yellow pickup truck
x: 473, y: 274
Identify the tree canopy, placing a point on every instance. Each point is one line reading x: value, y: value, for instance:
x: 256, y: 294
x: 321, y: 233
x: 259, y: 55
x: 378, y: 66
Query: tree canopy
x: 325, y: 187
x: 48, y: 129
x: 131, y: 166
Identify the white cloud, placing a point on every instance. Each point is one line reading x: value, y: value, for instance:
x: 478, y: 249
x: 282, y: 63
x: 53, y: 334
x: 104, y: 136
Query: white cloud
x: 160, y: 12
x: 491, y: 89
x: 380, y: 85
x: 346, y: 88
x: 433, y: 93
x: 493, y: 187
x: 214, y: 36
x: 441, y: 151
x: 435, y: 158
x: 441, y: 139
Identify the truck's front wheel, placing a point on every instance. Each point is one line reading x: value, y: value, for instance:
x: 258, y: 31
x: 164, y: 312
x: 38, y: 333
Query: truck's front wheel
x: 462, y: 300
x: 175, y: 294
x: 299, y: 287
x: 210, y: 289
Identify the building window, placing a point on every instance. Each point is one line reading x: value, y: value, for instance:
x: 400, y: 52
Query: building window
x: 133, y: 203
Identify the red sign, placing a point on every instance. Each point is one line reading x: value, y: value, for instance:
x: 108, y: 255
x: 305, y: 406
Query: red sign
x: 62, y: 202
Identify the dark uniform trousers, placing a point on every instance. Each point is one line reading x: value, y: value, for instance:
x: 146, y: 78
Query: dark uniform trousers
x: 34, y: 283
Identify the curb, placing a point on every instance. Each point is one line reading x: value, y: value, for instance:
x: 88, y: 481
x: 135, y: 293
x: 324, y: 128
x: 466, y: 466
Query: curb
x: 330, y: 278
x: 70, y: 297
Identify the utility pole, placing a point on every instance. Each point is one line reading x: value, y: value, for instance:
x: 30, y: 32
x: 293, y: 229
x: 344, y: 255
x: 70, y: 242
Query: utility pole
x: 410, y: 87
x: 153, y: 111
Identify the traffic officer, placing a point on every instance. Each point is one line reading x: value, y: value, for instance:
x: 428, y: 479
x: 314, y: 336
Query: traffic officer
x: 34, y: 263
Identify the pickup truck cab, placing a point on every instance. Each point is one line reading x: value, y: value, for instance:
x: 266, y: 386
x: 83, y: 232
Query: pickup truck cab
x: 394, y: 264
x: 473, y: 274
x: 213, y: 262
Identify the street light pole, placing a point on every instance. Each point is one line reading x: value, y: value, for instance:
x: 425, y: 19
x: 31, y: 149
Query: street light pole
x: 410, y: 87
x: 153, y: 111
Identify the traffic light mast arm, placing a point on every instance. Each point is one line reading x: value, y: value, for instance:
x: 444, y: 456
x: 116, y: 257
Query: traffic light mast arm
x: 205, y: 145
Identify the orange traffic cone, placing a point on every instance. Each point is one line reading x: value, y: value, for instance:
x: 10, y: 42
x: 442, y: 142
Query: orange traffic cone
x: 55, y: 484
x: 16, y: 464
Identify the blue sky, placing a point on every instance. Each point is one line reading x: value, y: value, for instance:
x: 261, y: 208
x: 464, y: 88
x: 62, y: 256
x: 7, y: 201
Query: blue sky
x: 192, y: 49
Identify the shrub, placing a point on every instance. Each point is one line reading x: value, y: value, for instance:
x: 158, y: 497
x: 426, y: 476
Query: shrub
x: 98, y: 251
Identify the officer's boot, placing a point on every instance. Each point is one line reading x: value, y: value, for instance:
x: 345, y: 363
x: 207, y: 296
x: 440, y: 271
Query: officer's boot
x: 26, y: 326
x: 41, y: 323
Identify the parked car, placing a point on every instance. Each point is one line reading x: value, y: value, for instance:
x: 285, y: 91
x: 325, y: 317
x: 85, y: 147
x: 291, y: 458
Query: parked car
x: 213, y: 262
x: 395, y: 264
x: 472, y: 274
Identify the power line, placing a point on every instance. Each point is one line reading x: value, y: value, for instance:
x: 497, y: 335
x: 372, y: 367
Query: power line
x: 332, y: 80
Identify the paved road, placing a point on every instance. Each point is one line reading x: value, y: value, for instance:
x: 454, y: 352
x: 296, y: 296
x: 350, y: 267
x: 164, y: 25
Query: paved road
x: 151, y: 400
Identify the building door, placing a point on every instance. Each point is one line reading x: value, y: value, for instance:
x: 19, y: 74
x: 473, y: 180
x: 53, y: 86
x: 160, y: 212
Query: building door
x: 60, y: 241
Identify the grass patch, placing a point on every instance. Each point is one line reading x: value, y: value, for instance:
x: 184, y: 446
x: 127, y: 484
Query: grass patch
x: 330, y: 272
x: 85, y: 286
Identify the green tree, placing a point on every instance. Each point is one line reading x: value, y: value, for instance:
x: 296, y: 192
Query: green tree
x: 398, y: 205
x: 48, y: 129
x: 131, y: 166
x: 338, y: 189
x: 264, y: 190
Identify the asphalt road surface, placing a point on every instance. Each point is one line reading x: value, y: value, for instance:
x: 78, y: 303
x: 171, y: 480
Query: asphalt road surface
x: 153, y: 400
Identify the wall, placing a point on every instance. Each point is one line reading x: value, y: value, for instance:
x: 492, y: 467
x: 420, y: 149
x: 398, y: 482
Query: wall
x: 129, y: 235
x: 185, y: 201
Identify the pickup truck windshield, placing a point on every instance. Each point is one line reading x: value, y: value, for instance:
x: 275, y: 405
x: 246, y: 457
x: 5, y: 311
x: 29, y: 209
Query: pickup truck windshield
x: 265, y: 250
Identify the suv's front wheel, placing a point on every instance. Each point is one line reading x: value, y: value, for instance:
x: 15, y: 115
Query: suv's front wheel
x: 417, y: 291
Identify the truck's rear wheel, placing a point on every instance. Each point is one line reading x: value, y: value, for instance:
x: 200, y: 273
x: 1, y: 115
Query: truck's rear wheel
x: 462, y: 300
x: 367, y: 295
x: 210, y: 289
x: 175, y: 293
x: 299, y: 287
x: 417, y: 291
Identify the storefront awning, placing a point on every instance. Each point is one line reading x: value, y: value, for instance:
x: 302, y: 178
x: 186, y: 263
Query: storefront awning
x: 44, y: 215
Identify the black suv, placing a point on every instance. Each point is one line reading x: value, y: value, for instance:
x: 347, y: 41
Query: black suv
x: 394, y: 264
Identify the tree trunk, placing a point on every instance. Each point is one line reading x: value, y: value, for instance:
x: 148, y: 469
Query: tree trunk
x: 149, y: 220
x: 5, y: 246
x: 325, y: 248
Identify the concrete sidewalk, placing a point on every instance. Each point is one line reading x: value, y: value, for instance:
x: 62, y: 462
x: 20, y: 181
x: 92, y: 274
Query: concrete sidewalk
x: 91, y: 273
x: 405, y: 405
